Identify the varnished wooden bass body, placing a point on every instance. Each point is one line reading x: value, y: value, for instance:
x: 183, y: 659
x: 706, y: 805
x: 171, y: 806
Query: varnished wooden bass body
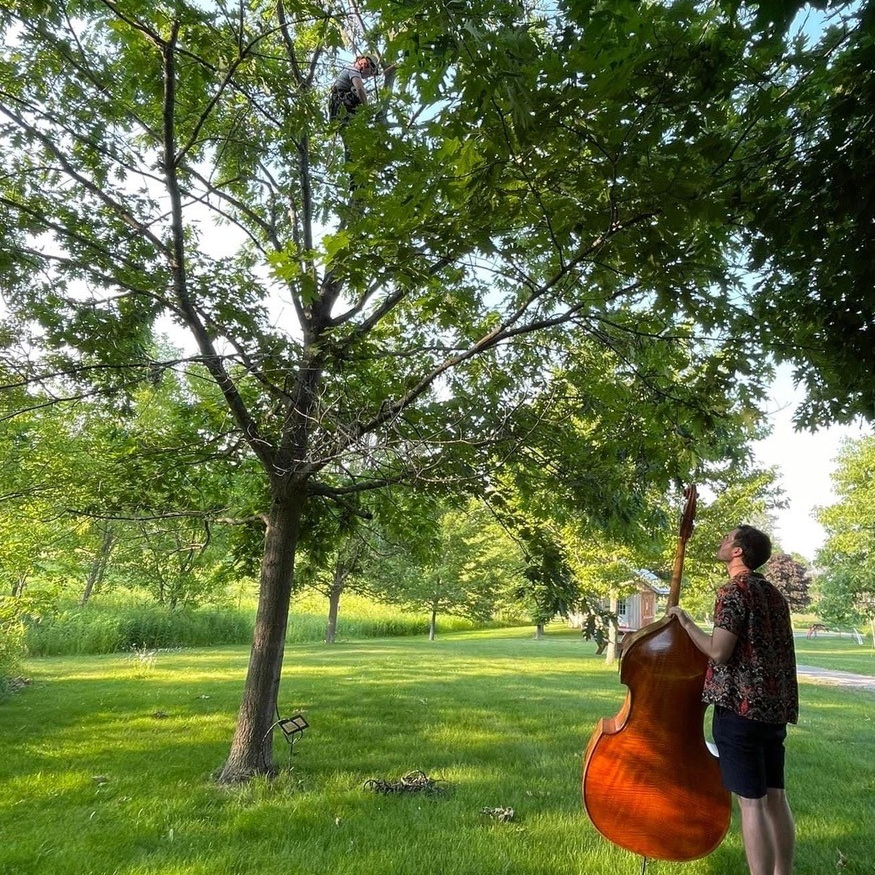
x: 650, y: 783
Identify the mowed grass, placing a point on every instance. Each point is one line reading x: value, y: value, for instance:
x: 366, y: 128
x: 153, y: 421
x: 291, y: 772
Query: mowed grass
x: 843, y: 654
x: 106, y: 762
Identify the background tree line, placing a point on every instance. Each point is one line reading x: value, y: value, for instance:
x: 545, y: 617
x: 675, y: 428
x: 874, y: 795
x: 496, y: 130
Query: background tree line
x: 71, y: 530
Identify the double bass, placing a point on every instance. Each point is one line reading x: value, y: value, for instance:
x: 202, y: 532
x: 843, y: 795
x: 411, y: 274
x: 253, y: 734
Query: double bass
x: 650, y: 783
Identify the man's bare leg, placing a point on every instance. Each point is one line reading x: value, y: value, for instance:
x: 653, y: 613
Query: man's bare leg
x: 756, y: 832
x: 783, y: 830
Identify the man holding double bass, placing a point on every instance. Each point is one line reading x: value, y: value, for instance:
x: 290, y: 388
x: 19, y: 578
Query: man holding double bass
x: 751, y: 681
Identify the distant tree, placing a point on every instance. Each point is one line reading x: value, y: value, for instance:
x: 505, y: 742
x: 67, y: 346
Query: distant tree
x: 792, y: 578
x: 840, y: 600
x: 864, y: 605
x: 100, y: 559
x: 549, y: 588
x: 338, y: 576
x: 459, y: 568
x: 341, y: 543
x: 846, y: 583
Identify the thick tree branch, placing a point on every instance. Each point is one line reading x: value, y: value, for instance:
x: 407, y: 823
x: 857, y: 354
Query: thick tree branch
x: 212, y: 360
x: 289, y: 45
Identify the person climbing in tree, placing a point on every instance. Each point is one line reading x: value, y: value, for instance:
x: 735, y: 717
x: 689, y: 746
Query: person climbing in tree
x: 348, y: 92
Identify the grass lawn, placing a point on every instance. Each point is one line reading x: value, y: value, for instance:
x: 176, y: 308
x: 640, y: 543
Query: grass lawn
x: 842, y: 653
x: 105, y: 765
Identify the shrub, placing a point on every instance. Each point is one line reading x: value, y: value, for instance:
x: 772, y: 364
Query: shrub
x: 15, y: 614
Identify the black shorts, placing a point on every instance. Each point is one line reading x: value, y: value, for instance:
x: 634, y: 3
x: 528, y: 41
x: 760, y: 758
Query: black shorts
x: 751, y: 753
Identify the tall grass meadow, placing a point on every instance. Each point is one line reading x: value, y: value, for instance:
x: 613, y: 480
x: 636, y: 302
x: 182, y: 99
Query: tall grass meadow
x: 119, y: 625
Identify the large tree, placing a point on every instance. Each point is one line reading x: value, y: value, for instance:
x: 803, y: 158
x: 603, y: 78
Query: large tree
x: 387, y: 317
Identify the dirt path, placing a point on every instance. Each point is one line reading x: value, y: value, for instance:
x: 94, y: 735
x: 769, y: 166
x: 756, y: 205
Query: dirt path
x: 837, y: 678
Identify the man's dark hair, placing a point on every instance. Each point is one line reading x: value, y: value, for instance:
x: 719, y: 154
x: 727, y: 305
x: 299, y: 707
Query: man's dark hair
x: 756, y: 546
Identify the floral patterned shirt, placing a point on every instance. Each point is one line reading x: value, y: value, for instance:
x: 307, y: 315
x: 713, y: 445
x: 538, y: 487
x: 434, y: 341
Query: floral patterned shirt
x: 759, y: 680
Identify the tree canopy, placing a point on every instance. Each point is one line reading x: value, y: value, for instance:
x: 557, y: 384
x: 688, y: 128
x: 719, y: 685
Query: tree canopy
x: 809, y: 222
x: 792, y: 578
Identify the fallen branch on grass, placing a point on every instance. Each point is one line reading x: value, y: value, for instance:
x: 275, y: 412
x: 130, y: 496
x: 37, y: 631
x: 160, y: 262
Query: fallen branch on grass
x: 412, y: 782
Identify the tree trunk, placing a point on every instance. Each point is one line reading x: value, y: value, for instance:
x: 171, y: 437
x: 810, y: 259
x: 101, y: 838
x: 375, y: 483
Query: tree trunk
x: 539, y: 631
x: 432, y: 624
x: 347, y: 563
x: 334, y: 602
x: 613, y: 631
x: 98, y: 565
x: 19, y: 585
x: 251, y: 748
